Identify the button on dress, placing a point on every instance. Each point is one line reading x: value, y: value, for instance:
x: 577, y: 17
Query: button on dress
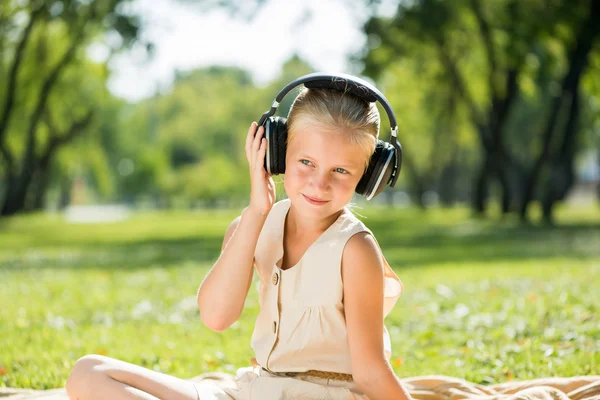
x: 301, y: 323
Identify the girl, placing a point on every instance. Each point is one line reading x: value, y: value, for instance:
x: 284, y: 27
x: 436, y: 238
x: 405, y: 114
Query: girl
x: 325, y: 286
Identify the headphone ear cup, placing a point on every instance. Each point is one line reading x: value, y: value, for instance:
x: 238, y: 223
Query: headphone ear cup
x: 379, y: 171
x: 282, y: 137
x: 276, y: 134
x: 269, y: 167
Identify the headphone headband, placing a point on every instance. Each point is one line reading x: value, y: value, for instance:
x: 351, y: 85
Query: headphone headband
x: 346, y: 83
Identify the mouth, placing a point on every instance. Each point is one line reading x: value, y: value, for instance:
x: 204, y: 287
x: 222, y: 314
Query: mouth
x: 314, y: 200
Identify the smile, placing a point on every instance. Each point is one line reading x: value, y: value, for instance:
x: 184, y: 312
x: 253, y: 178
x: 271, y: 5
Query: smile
x: 315, y: 202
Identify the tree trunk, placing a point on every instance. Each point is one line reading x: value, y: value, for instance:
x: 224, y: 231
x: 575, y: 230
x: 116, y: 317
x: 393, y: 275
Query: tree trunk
x: 40, y: 187
x: 481, y: 192
x: 15, y: 199
x: 562, y: 176
x: 448, y: 182
x: 449, y: 174
x: 504, y: 180
x: 492, y: 167
x: 497, y: 159
x: 11, y: 183
x: 10, y: 94
x: 577, y: 63
x: 17, y: 190
x: 416, y: 183
x: 66, y: 187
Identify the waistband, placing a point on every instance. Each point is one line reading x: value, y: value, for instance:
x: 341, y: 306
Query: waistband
x: 314, y: 373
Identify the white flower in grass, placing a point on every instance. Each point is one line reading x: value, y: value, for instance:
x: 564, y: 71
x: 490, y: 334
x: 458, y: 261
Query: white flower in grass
x: 141, y: 309
x: 59, y: 322
x: 187, y: 304
x: 176, y: 318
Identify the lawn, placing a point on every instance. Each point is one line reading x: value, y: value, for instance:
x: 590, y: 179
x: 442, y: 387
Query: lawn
x: 485, y: 300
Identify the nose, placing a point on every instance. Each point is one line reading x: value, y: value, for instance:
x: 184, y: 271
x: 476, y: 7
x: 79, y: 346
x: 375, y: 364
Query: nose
x: 321, y: 181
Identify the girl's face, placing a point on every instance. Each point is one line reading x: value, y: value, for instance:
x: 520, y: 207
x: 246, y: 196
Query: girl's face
x: 321, y: 165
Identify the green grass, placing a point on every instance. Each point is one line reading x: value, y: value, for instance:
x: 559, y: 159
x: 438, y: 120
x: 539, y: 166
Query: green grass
x: 484, y: 300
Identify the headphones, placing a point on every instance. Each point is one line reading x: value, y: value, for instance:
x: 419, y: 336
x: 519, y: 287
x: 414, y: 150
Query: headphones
x: 385, y: 163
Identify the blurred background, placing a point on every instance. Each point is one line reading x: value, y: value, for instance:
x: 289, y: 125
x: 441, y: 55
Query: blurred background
x: 145, y: 104
x: 122, y: 130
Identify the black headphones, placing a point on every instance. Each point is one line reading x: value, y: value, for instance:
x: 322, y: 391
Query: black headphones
x: 384, y: 166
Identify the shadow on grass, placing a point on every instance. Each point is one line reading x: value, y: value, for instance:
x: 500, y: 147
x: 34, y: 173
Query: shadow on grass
x: 406, y: 242
x: 130, y: 256
x: 475, y: 242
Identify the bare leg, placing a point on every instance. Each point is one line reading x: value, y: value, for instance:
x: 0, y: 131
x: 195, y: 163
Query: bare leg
x: 99, y: 377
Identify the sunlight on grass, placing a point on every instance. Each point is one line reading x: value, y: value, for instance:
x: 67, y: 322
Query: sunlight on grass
x: 485, y: 300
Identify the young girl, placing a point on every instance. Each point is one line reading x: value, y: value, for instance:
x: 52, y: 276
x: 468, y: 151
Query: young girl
x: 325, y: 286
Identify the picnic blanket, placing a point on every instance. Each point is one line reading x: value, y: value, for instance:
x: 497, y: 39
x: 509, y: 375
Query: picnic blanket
x: 431, y: 387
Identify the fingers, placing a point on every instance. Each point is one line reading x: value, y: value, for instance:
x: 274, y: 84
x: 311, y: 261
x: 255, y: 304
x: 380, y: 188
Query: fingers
x: 257, y: 145
x: 261, y: 155
x: 262, y: 187
x: 253, y: 142
x: 249, y: 139
x: 258, y: 139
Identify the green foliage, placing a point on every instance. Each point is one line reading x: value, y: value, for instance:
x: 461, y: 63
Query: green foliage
x: 53, y: 93
x: 196, y: 133
x: 446, y: 69
x: 185, y: 145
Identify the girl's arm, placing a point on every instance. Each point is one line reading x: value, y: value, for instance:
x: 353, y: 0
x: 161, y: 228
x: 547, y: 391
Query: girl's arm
x: 222, y: 294
x: 363, y: 277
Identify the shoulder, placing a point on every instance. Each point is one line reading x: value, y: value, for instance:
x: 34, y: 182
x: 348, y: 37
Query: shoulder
x: 362, y: 243
x: 362, y: 255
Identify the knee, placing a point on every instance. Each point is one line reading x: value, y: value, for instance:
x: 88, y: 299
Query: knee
x: 84, y: 373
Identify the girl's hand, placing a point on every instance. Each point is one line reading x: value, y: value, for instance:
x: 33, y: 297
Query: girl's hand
x: 262, y: 196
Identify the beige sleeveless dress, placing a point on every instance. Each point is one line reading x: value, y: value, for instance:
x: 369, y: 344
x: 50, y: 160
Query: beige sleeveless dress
x: 301, y: 323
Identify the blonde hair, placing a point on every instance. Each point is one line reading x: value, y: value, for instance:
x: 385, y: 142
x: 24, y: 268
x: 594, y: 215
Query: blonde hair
x: 338, y: 110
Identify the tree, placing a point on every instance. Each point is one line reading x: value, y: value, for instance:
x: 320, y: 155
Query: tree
x: 567, y: 99
x: 487, y: 63
x: 71, y: 25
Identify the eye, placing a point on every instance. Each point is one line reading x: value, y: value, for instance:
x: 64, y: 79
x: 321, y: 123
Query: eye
x: 341, y: 170
x: 302, y: 161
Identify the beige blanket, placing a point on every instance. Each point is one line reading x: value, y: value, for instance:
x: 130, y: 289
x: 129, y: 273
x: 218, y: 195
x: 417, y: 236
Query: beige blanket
x: 433, y: 387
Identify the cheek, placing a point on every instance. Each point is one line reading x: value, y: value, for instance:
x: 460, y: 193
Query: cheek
x: 296, y: 172
x: 292, y: 177
x: 348, y: 184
